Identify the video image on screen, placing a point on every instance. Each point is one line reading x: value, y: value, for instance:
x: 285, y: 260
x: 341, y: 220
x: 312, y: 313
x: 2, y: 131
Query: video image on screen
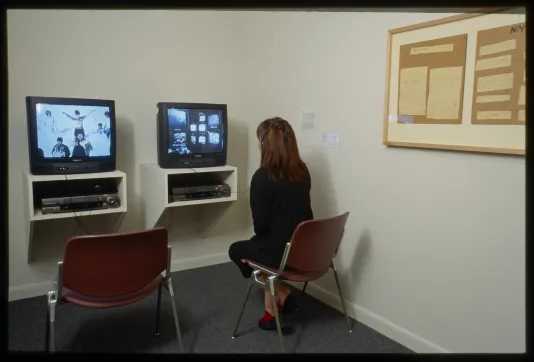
x: 71, y: 131
x: 214, y: 138
x: 189, y: 133
x: 213, y: 120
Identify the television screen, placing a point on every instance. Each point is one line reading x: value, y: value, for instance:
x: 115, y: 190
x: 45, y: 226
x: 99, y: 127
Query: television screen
x: 73, y: 131
x: 195, y: 131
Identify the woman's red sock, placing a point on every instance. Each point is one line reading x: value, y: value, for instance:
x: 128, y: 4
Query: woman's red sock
x: 267, y: 317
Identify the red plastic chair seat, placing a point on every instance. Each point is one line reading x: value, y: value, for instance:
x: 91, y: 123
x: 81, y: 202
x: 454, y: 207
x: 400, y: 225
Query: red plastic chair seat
x: 291, y: 275
x: 110, y: 302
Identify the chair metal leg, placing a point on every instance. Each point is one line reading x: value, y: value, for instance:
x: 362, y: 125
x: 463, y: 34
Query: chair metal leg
x: 175, y: 313
x: 275, y: 311
x: 47, y: 330
x: 158, y: 309
x: 242, y: 309
x: 341, y: 297
x: 304, y: 288
x: 51, y: 319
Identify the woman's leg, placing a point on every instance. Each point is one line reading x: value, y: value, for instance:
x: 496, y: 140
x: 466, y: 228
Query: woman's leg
x: 250, y: 250
x: 281, y: 294
x: 242, y: 250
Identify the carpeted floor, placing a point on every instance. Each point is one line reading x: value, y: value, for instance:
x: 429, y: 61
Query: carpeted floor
x: 208, y: 302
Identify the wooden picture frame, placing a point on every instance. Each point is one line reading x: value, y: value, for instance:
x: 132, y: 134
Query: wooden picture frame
x: 418, y: 112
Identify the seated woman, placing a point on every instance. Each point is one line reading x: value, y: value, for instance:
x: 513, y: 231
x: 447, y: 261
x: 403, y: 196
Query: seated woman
x: 279, y: 201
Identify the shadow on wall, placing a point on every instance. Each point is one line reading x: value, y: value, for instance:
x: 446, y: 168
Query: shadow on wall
x: 51, y: 236
x: 238, y: 151
x: 126, y: 163
x: 350, y: 272
x: 351, y: 276
x: 235, y: 217
x: 323, y: 199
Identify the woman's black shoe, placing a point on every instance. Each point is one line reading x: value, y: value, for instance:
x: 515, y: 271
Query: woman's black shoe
x: 290, y: 304
x: 271, y: 326
x: 268, y: 325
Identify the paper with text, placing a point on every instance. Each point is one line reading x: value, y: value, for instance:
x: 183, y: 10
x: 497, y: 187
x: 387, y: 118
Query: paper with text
x: 444, y: 93
x: 309, y: 126
x: 503, y: 46
x: 412, y: 91
x: 494, y: 63
x: 521, y: 115
x: 495, y: 82
x: 432, y: 49
x: 493, y: 98
x: 521, y: 100
x: 490, y: 115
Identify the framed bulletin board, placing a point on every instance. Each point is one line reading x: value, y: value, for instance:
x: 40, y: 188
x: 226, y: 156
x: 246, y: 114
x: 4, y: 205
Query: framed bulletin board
x: 458, y: 83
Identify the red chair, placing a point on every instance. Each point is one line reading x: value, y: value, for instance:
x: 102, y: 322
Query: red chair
x: 107, y: 271
x: 307, y: 257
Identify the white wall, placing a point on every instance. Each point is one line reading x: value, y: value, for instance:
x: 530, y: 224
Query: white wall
x: 434, y: 251
x: 137, y: 58
x: 434, y: 254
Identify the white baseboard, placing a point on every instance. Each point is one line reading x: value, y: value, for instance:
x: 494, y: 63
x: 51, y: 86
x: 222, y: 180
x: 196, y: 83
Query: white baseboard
x: 29, y: 290
x: 37, y: 289
x: 199, y: 261
x: 408, y: 339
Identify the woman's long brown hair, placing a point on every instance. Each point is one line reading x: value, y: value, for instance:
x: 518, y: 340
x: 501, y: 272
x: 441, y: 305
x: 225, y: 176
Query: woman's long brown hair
x: 279, y: 150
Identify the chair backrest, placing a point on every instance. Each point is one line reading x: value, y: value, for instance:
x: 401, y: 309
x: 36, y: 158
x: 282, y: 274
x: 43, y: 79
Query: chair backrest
x: 315, y: 242
x: 114, y: 264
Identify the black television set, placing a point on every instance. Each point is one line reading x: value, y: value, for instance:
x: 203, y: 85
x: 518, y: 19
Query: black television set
x: 71, y: 135
x: 192, y: 135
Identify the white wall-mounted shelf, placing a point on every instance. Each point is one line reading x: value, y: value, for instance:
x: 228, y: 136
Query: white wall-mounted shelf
x: 33, y: 213
x: 155, y: 183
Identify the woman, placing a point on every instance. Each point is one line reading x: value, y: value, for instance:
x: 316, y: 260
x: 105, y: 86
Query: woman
x: 279, y: 201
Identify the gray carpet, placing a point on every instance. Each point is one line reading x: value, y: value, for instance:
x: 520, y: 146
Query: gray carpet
x: 208, y: 304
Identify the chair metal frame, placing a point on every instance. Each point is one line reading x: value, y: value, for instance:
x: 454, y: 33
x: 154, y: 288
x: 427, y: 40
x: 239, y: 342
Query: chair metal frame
x: 55, y: 298
x: 268, y: 285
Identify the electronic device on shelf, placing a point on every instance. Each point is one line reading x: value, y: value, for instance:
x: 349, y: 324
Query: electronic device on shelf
x: 192, y: 135
x: 199, y: 192
x: 79, y: 203
x: 55, y: 197
x: 71, y: 135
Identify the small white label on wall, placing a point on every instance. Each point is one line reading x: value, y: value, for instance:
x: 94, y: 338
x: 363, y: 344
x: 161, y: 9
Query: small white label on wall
x: 331, y: 139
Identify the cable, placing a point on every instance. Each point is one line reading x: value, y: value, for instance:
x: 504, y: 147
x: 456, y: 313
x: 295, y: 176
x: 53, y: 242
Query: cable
x: 119, y: 223
x: 171, y: 216
x: 78, y: 221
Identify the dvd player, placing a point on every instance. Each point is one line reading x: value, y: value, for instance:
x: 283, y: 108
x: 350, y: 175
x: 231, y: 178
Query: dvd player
x: 57, y: 205
x: 199, y: 192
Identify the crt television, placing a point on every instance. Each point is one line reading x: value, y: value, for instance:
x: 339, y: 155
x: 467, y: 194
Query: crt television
x: 192, y: 135
x: 71, y: 135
